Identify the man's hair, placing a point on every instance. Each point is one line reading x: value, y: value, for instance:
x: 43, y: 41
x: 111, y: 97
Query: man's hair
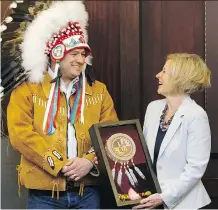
x: 189, y: 73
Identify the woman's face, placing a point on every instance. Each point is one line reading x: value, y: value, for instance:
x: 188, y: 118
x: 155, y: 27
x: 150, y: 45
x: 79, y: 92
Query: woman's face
x: 164, y: 87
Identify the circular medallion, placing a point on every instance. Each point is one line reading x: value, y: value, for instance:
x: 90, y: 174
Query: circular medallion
x: 120, y: 147
x: 57, y: 52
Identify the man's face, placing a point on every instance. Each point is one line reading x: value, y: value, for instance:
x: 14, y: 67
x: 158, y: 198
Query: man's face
x: 72, y: 64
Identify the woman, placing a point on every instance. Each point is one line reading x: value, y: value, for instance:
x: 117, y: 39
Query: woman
x: 178, y: 136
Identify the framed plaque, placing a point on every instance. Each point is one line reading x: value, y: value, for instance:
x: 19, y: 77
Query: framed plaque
x: 124, y: 160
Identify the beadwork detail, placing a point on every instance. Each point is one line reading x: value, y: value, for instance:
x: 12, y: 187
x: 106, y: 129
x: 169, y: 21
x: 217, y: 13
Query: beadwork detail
x: 164, y: 125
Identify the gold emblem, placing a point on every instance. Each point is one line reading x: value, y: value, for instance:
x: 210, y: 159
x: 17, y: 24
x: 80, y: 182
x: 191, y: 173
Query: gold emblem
x: 120, y: 148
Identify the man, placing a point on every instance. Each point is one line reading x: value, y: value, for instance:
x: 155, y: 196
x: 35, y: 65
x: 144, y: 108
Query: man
x: 50, y: 114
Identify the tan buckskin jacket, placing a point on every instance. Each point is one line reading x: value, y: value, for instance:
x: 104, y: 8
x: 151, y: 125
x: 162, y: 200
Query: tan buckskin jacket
x: 43, y: 156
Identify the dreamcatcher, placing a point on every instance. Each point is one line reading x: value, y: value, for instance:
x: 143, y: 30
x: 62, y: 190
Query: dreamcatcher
x: 121, y: 149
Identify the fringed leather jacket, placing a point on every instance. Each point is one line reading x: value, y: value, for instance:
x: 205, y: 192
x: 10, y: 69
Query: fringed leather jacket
x: 43, y: 156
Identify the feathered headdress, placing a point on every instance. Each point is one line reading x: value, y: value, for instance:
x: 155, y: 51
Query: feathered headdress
x: 44, y: 29
x: 52, y: 28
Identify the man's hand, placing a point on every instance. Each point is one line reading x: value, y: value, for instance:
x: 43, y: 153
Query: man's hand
x: 150, y: 202
x: 77, y: 168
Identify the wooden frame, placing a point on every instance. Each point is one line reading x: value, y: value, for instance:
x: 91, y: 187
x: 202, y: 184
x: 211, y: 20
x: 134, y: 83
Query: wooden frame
x: 110, y: 137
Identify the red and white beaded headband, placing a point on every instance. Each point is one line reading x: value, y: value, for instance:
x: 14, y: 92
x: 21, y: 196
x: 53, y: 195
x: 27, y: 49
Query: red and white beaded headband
x: 67, y: 39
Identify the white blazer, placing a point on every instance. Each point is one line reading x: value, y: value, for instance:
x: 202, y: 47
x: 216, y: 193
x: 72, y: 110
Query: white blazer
x: 183, y: 155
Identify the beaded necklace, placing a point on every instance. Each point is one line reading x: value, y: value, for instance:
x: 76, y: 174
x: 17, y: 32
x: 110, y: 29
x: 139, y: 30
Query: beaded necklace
x: 164, y: 125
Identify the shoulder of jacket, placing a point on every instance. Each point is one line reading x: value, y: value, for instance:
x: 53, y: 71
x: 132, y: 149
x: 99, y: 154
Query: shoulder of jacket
x: 195, y: 111
x: 98, y: 86
x: 157, y: 103
x: 27, y: 88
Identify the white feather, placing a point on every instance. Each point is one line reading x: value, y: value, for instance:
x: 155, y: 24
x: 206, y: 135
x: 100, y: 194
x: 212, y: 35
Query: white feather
x: 89, y: 60
x: 3, y: 28
x: 42, y: 29
x: 13, y: 5
x: 8, y: 19
x: 1, y: 90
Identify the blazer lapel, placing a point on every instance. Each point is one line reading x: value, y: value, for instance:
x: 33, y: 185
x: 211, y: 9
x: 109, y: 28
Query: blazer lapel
x: 176, y: 122
x: 170, y: 133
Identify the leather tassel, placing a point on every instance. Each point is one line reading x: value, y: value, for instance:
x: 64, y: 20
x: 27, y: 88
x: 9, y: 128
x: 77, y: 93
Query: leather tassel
x: 81, y: 188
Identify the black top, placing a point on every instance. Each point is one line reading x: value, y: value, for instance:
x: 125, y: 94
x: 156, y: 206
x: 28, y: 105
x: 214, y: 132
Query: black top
x: 159, y: 139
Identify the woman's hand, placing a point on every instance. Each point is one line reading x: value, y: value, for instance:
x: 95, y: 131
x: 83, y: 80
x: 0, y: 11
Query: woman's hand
x: 96, y: 160
x: 150, y: 202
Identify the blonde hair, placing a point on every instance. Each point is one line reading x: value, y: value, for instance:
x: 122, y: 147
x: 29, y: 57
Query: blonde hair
x: 189, y: 73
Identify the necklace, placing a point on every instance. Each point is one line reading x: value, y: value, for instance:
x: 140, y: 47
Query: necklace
x: 164, y: 125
